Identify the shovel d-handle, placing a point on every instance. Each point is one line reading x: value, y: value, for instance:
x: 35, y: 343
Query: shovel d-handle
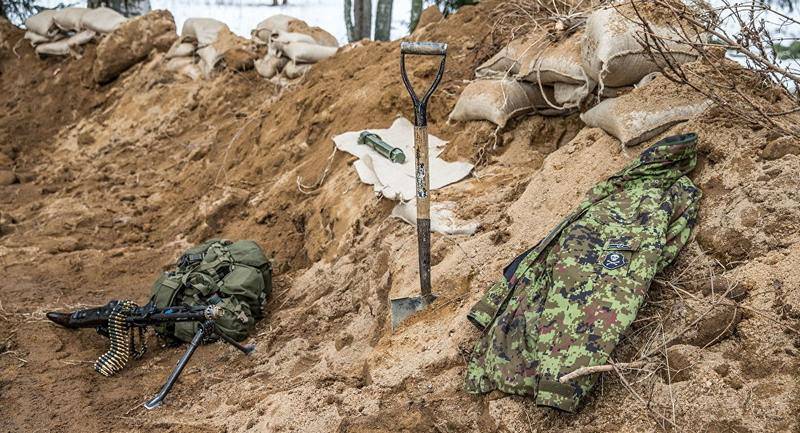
x: 422, y: 159
x: 424, y: 49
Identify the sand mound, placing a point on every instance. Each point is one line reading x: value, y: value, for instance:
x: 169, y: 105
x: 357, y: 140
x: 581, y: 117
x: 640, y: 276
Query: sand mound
x: 115, y: 180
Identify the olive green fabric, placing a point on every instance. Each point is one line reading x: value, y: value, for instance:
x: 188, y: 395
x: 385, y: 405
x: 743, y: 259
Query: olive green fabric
x: 564, y: 303
x: 236, y: 276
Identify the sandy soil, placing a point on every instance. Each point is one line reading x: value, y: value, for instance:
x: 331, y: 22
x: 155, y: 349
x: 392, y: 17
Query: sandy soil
x: 112, y: 182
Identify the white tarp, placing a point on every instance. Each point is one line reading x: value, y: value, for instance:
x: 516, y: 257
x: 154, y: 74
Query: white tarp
x: 396, y: 181
x: 443, y: 218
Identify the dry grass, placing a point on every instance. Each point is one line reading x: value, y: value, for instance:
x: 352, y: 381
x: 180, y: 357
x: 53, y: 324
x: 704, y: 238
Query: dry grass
x: 761, y: 95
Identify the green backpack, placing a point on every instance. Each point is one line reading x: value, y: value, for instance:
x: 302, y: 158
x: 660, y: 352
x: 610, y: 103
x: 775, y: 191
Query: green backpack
x: 236, y: 276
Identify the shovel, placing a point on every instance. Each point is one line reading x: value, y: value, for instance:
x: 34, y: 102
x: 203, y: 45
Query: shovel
x: 405, y: 307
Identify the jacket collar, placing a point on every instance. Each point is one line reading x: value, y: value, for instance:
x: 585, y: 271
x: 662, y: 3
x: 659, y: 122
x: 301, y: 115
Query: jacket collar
x: 667, y: 160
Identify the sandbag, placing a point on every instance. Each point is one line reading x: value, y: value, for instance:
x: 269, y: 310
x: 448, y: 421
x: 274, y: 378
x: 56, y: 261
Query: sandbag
x: 191, y: 70
x: 180, y: 49
x: 183, y: 65
x: 69, y: 19
x: 499, y: 100
x: 320, y: 36
x: 58, y: 48
x: 202, y: 30
x: 644, y: 113
x: 611, y: 52
x: 558, y: 63
x: 209, y: 57
x: 102, y: 20
x: 35, y: 38
x: 63, y: 46
x: 614, y: 92
x: 283, y: 37
x: 132, y: 42
x: 175, y: 64
x: 506, y: 63
x: 572, y: 95
x: 264, y: 30
x: 42, y: 23
x: 304, y: 52
x: 270, y: 66
x: 294, y: 70
x: 232, y: 48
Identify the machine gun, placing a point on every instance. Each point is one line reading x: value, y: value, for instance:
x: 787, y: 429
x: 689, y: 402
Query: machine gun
x: 118, y: 319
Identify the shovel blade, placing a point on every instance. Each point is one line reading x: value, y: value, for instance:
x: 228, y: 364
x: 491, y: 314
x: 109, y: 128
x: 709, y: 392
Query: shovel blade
x: 403, y: 308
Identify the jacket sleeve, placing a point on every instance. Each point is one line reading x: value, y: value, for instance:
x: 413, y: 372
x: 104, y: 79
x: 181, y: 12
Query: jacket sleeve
x: 684, y: 218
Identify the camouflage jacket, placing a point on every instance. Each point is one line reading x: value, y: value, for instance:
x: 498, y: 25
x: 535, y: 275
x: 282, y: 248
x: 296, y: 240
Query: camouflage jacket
x: 564, y: 303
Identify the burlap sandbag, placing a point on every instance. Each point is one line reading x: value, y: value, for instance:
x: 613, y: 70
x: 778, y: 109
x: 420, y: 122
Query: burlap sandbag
x: 558, y: 63
x: 270, y: 66
x: 180, y: 49
x: 209, y: 57
x: 64, y: 46
x: 69, y: 19
x: 645, y: 112
x: 572, y: 95
x: 304, y: 52
x: 283, y: 37
x: 202, y: 30
x: 58, y: 48
x: 265, y: 28
x: 35, y: 38
x: 295, y: 70
x: 321, y: 36
x: 183, y: 66
x: 506, y: 63
x: 42, y: 23
x: 175, y: 64
x: 499, y: 100
x: 102, y: 20
x: 132, y: 42
x: 612, y: 53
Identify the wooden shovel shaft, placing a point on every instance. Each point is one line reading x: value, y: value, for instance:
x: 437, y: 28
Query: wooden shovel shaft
x: 422, y: 167
x: 422, y: 174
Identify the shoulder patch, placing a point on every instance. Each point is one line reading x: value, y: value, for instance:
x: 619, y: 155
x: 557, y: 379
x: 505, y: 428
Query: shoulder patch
x: 614, y: 260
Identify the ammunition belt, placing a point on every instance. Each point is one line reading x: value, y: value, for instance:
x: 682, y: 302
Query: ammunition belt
x: 123, y: 346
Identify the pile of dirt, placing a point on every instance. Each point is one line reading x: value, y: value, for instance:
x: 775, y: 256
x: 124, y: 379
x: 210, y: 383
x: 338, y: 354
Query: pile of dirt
x: 114, y: 181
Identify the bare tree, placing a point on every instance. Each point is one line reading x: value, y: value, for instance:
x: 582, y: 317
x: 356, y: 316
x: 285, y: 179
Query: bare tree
x: 738, y: 28
x: 416, y: 12
x: 358, y: 19
x: 383, y: 20
x: 17, y: 10
x: 129, y: 8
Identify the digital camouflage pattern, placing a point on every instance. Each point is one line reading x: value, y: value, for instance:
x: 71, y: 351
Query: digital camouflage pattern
x: 564, y: 304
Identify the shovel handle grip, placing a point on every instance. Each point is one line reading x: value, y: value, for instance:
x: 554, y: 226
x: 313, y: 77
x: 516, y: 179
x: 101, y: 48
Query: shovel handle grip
x: 423, y: 48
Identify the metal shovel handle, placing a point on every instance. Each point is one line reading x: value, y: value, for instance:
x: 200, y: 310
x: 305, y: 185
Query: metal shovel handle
x: 423, y: 48
x: 422, y: 167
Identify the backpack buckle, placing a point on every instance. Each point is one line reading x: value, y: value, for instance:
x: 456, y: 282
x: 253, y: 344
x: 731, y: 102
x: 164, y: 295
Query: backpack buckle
x: 189, y: 259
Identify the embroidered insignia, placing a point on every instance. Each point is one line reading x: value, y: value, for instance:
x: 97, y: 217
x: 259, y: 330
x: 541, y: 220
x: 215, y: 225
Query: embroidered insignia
x: 614, y: 260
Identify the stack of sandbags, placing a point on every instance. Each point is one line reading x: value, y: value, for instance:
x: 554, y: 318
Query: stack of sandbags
x: 566, y: 72
x: 292, y: 46
x: 203, y: 43
x: 57, y: 32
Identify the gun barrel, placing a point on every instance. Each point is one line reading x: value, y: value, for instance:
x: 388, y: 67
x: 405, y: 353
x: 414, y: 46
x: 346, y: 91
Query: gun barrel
x: 146, y: 315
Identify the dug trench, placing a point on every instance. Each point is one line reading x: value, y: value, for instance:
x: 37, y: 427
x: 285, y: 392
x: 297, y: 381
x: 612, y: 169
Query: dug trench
x: 112, y: 182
